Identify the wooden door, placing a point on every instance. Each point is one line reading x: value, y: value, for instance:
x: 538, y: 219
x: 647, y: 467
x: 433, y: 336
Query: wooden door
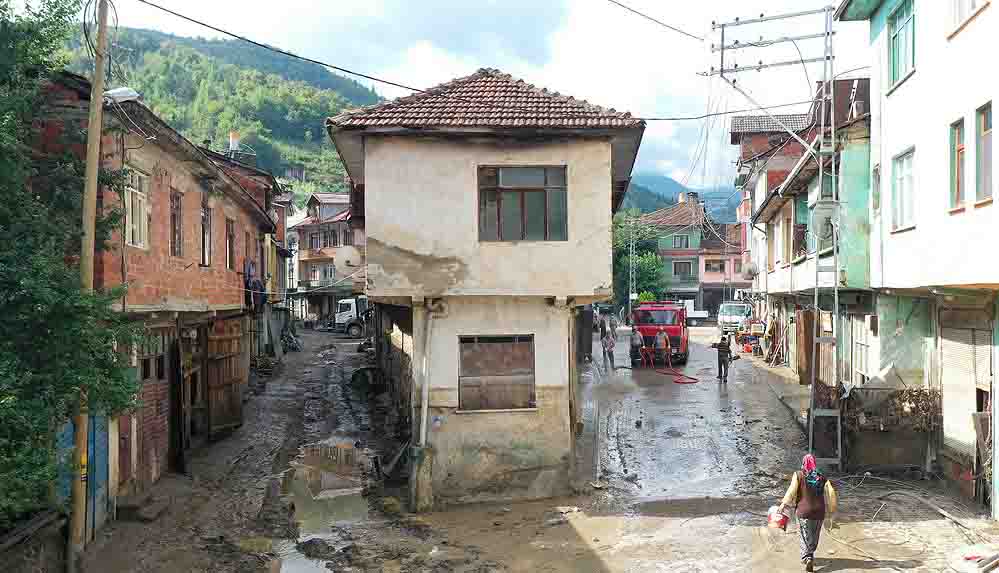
x: 225, y: 376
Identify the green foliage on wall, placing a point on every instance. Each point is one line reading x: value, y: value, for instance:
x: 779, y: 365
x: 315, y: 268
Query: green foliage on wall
x: 55, y: 340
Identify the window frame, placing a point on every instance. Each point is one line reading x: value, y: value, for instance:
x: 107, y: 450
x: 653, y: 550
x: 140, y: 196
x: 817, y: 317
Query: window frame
x: 687, y: 275
x: 715, y: 263
x: 230, y: 244
x: 896, y: 223
x: 895, y: 75
x: 348, y: 237
x: 137, y: 225
x: 207, y: 234
x: 464, y: 378
x: 686, y: 241
x: 958, y: 158
x: 983, y: 188
x: 314, y: 241
x: 549, y: 190
x: 176, y: 223
x: 959, y: 20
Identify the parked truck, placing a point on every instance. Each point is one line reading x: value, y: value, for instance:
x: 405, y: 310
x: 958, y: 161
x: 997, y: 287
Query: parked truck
x: 648, y: 320
x: 349, y: 316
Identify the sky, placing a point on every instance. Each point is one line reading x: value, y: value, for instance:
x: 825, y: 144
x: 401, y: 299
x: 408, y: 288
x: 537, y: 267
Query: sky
x: 590, y: 49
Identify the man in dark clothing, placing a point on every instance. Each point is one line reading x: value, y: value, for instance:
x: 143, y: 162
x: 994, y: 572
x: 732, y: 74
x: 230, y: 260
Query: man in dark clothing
x: 724, y: 347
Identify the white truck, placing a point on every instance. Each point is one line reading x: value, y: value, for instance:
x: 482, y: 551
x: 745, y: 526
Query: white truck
x: 350, y: 315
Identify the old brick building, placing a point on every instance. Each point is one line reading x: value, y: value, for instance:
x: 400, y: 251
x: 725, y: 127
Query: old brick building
x: 193, y: 241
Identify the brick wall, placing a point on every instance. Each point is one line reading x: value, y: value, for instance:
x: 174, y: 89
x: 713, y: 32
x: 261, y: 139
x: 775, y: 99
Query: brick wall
x: 154, y: 275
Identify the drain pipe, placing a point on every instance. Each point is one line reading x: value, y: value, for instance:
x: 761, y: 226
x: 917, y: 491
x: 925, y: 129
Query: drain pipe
x: 436, y: 308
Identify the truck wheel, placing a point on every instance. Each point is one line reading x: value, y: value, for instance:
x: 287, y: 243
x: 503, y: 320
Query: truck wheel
x: 692, y: 322
x: 354, y: 331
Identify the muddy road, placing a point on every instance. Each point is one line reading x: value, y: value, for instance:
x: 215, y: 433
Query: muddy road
x: 670, y: 477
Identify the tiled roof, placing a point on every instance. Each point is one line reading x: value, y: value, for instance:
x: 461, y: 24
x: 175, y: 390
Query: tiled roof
x: 488, y: 98
x: 686, y: 213
x: 338, y: 218
x: 332, y: 197
x: 764, y: 124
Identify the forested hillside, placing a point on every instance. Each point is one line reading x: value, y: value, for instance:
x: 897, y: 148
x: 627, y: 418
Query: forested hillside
x: 205, y: 88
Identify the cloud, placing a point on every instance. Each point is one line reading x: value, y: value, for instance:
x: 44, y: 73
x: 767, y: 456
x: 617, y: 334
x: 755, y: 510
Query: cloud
x: 590, y: 49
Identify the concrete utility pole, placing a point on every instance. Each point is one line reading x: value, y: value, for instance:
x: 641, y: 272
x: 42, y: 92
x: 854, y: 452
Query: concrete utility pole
x: 78, y: 490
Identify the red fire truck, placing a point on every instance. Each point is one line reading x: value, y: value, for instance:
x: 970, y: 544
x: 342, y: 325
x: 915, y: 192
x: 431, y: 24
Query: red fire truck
x: 648, y: 320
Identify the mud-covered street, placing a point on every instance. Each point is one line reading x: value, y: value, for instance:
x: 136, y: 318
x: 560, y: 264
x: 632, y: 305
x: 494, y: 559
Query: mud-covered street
x: 669, y: 477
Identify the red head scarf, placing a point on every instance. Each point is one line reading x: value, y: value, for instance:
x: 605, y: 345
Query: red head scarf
x: 808, y: 463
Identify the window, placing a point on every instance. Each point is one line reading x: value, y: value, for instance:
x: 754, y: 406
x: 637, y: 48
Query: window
x: 714, y: 266
x: 247, y: 254
x: 176, y: 225
x: 136, y: 212
x: 984, y: 153
x: 496, y: 372
x: 348, y: 237
x: 901, y: 42
x: 903, y: 200
x: 957, y: 164
x: 656, y: 317
x: 313, y: 241
x: 861, y: 349
x: 522, y: 204
x: 683, y: 269
x: 737, y: 267
x: 206, y: 231
x: 876, y: 188
x: 334, y: 238
x: 314, y: 272
x: 230, y: 244
x: 681, y: 242
x: 329, y: 273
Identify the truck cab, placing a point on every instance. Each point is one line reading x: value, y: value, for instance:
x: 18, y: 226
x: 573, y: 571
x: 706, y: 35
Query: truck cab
x: 649, y: 319
x: 349, y: 317
x: 734, y: 316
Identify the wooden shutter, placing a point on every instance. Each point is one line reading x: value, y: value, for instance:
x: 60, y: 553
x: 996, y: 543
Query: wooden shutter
x: 958, y: 382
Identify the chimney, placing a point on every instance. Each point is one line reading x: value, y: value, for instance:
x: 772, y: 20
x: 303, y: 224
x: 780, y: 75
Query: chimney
x: 233, y: 142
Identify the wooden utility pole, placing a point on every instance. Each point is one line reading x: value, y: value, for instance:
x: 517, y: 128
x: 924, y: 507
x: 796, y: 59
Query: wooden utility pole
x: 77, y: 518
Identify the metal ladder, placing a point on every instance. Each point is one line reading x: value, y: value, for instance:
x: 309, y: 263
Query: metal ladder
x: 827, y: 156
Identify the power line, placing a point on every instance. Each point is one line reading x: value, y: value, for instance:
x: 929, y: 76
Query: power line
x: 661, y: 23
x: 419, y: 90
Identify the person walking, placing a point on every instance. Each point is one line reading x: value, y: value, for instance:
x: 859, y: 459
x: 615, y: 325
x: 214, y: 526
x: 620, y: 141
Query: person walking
x: 724, y: 348
x: 815, y: 500
x: 608, y: 343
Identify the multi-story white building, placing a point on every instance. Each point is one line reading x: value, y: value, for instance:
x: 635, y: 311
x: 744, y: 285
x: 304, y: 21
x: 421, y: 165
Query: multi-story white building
x: 932, y: 218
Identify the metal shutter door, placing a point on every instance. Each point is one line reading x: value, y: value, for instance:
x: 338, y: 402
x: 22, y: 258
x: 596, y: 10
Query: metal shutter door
x: 983, y: 360
x: 958, y: 382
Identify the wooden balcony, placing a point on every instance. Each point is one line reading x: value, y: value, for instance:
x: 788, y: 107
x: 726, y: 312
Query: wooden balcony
x: 317, y: 254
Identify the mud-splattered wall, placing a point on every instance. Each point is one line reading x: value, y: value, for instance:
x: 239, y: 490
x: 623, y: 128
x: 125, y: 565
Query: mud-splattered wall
x: 421, y: 210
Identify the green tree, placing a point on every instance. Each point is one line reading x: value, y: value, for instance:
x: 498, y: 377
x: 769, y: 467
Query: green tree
x: 55, y: 340
x: 646, y: 296
x: 649, y: 268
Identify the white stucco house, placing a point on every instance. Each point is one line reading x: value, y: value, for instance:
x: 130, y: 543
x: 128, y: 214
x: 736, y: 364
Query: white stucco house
x: 487, y: 205
x: 932, y: 217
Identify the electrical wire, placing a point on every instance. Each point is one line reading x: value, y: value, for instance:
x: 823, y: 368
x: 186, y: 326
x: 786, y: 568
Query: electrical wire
x: 419, y: 90
x: 650, y: 18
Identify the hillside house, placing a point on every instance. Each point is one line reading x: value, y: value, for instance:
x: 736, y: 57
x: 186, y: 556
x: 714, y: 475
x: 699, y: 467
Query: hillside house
x: 187, y: 249
x: 487, y: 205
x: 679, y: 232
x: 330, y: 254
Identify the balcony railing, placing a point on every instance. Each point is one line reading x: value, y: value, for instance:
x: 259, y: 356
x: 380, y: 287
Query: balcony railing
x: 316, y: 283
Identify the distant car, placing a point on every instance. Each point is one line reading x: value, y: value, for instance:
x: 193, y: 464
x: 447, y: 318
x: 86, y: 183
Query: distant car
x: 734, y: 316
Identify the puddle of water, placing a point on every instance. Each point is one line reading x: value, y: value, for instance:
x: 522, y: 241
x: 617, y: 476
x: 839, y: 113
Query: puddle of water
x: 325, y: 484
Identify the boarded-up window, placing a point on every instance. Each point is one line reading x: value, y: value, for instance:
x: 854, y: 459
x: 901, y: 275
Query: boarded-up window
x: 496, y: 372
